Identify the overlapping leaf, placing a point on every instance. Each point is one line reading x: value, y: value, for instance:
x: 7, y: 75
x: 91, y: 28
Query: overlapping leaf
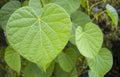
x: 60, y: 73
x: 12, y: 58
x: 69, y: 5
x: 102, y: 62
x: 89, y: 40
x: 36, y: 5
x: 39, y: 39
x: 32, y: 70
x: 67, y: 60
x: 6, y: 12
x: 80, y: 19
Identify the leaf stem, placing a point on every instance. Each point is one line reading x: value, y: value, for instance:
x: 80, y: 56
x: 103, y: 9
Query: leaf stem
x: 42, y: 3
x: 95, y: 5
x: 99, y: 14
x: 88, y: 7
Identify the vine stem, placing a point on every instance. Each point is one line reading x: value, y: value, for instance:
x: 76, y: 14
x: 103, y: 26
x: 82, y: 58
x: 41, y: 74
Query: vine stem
x: 99, y: 14
x: 42, y: 3
x: 88, y: 7
x: 95, y: 5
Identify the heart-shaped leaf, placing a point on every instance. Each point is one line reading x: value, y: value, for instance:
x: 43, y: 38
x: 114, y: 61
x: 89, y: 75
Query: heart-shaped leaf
x: 12, y: 58
x: 112, y: 13
x: 6, y: 12
x: 89, y: 40
x: 39, y: 39
x: 102, y: 63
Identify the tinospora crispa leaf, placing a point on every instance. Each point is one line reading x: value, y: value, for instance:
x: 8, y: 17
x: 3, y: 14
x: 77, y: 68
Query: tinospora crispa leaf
x: 6, y: 12
x: 89, y: 40
x: 12, y: 58
x: 32, y: 70
x: 69, y: 5
x: 39, y: 38
x: 67, y: 60
x: 102, y: 63
x: 111, y: 11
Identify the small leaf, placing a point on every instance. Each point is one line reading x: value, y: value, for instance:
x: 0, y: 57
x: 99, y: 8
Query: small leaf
x: 89, y: 40
x: 60, y: 73
x: 12, y: 58
x: 112, y: 13
x: 67, y: 59
x: 32, y: 70
x: 39, y: 39
x: 6, y: 12
x: 102, y: 63
x: 69, y: 5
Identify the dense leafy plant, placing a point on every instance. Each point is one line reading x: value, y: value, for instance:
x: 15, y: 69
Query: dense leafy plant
x: 51, y: 37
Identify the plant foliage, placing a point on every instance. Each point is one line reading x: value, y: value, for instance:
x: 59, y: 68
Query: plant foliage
x: 49, y: 38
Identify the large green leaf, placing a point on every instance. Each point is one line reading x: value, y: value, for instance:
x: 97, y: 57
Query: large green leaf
x: 12, y: 58
x: 69, y: 5
x: 112, y: 13
x: 67, y: 59
x: 102, y: 63
x: 6, y: 12
x: 78, y: 19
x: 89, y: 40
x: 32, y: 70
x: 36, y: 5
x: 39, y: 39
x: 60, y: 73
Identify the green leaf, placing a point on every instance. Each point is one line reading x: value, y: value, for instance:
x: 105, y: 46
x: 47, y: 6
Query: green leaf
x: 102, y: 63
x: 60, y: 73
x: 67, y: 59
x: 89, y: 40
x: 36, y: 5
x: 32, y: 70
x: 12, y: 58
x: 6, y: 12
x: 69, y: 5
x: 112, y: 13
x: 78, y: 19
x: 39, y: 39
x: 92, y: 74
